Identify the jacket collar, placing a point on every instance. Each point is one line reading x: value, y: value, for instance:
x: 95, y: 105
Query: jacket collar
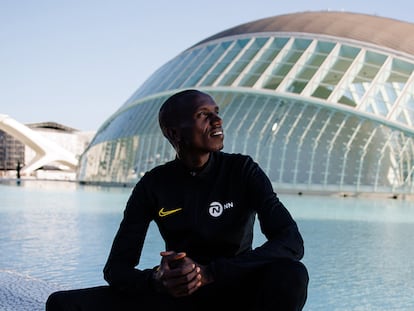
x: 201, y: 172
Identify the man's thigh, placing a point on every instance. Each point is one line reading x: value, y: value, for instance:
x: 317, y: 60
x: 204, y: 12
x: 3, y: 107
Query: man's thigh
x: 105, y: 298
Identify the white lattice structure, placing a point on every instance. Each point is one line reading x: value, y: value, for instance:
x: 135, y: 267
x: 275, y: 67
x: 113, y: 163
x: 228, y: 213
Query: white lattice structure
x: 324, y: 101
x: 45, y: 150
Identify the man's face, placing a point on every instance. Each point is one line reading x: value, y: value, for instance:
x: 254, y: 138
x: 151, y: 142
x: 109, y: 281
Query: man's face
x: 200, y: 129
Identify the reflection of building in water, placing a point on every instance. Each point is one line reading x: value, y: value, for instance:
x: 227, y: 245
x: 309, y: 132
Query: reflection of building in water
x: 322, y: 100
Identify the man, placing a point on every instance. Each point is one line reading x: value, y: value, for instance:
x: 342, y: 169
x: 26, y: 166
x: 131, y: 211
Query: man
x: 205, y: 203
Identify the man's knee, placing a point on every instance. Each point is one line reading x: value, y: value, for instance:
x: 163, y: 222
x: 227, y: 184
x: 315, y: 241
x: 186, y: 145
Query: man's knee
x: 288, y: 280
x: 93, y: 298
x: 289, y: 272
x: 56, y: 301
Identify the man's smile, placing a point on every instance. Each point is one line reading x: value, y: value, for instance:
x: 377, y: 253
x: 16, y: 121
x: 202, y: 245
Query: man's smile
x: 216, y: 133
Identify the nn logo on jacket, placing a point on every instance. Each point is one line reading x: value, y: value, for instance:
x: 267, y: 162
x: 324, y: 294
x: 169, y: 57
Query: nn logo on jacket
x: 216, y: 208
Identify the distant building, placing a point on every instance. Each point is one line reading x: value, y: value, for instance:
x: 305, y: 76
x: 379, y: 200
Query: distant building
x: 13, y: 152
x: 323, y: 101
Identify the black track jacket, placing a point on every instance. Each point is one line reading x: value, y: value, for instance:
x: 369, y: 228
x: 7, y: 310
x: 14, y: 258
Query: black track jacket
x: 209, y: 215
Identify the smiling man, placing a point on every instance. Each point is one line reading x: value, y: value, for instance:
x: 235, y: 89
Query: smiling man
x: 205, y: 203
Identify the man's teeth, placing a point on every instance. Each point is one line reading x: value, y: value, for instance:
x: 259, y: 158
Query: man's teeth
x: 217, y: 133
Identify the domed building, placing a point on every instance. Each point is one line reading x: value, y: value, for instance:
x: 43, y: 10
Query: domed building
x: 323, y: 101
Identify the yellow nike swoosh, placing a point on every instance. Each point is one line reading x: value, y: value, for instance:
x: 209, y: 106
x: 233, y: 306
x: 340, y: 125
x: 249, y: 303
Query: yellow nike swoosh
x: 163, y: 213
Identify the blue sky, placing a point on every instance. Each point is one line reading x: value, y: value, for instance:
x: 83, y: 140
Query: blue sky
x: 77, y: 61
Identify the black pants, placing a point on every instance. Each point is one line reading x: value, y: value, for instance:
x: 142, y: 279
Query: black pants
x: 281, y: 286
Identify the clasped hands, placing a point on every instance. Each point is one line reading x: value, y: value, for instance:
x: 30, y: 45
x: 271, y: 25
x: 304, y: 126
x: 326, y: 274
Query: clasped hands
x: 179, y: 275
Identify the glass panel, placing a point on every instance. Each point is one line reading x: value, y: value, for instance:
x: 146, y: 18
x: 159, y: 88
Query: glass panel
x: 190, y: 67
x: 404, y: 113
x: 174, y: 70
x: 367, y: 72
x: 282, y: 68
x: 215, y: 52
x: 262, y: 63
x: 227, y: 59
x: 241, y: 63
x: 313, y: 63
x: 335, y: 73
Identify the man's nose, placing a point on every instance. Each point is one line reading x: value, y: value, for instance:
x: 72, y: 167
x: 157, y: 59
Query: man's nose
x: 215, y: 118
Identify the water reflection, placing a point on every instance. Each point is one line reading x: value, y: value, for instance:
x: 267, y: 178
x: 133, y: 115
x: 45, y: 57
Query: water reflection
x: 359, y: 252
x: 350, y: 208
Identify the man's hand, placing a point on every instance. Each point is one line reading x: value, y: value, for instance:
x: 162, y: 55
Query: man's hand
x: 179, y: 275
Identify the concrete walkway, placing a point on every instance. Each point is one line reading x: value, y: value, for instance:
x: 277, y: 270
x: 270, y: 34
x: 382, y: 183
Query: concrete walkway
x: 20, y: 292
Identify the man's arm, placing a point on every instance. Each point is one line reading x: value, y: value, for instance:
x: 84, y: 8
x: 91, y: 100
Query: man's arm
x: 283, y: 239
x: 119, y: 270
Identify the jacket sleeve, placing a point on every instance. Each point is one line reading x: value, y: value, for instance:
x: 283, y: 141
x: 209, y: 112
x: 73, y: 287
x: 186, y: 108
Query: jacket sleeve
x: 283, y: 239
x: 120, y: 269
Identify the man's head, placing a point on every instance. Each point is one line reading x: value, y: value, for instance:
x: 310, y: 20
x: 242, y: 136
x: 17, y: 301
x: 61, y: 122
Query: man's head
x: 190, y: 121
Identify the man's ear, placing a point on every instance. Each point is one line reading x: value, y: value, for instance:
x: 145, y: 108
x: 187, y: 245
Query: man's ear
x: 173, y: 134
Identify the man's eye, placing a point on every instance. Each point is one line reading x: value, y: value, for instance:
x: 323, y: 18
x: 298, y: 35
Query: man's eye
x: 203, y: 114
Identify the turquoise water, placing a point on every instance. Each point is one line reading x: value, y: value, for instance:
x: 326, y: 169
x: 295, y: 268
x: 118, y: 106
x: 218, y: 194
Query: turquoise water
x: 359, y: 252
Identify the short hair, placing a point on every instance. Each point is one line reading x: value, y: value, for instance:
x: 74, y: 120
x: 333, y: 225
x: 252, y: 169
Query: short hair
x: 167, y: 116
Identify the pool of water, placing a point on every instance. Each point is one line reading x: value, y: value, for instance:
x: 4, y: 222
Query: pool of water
x: 359, y: 251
